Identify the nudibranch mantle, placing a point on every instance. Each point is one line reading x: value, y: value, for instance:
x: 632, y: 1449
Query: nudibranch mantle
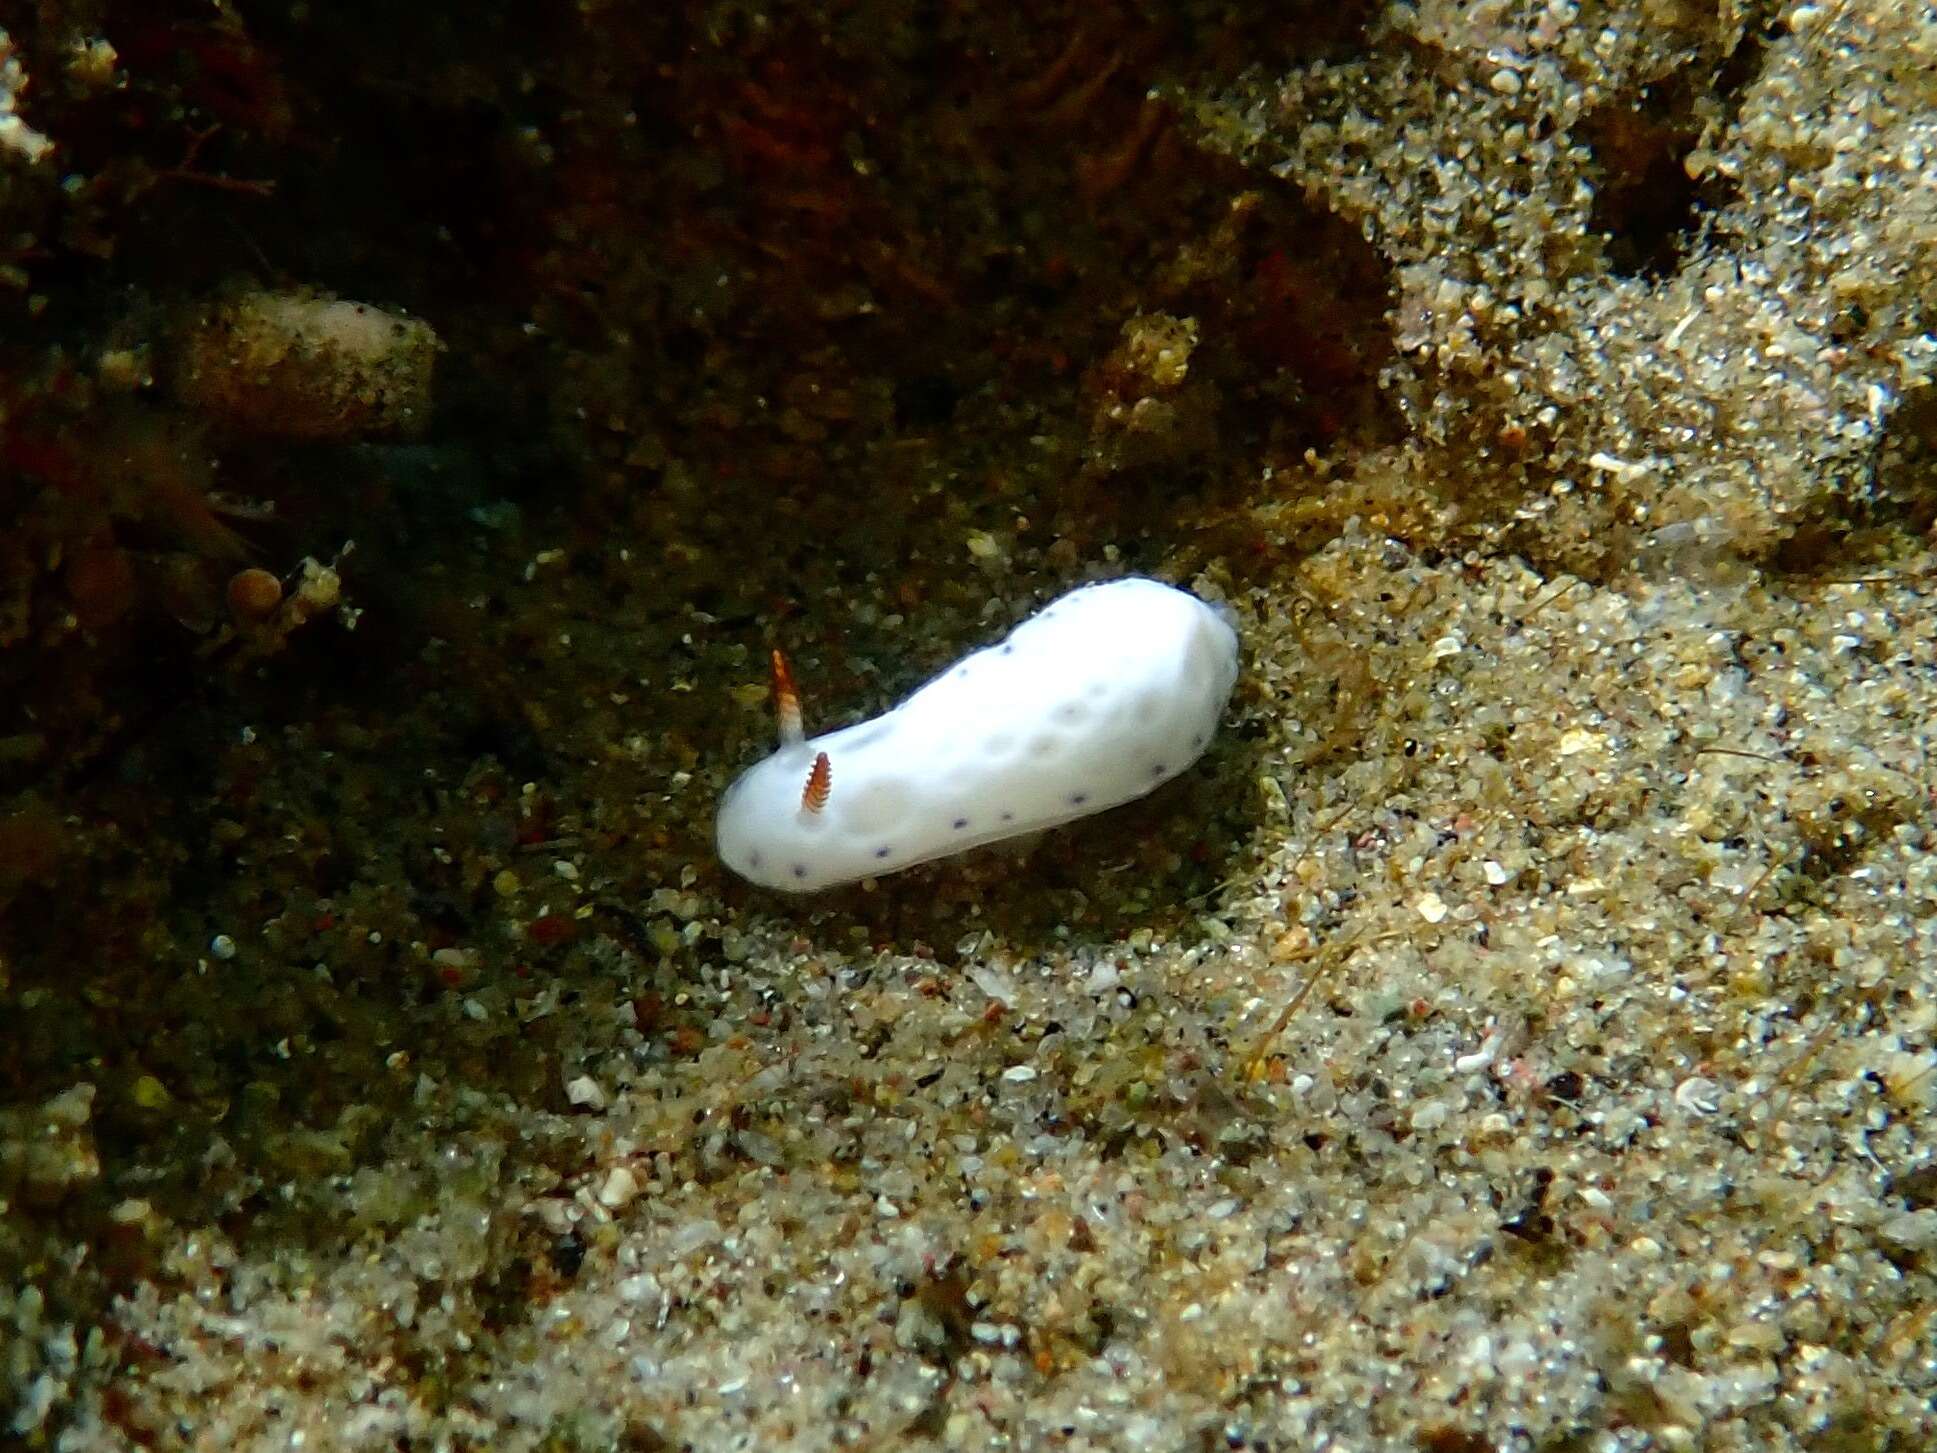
x: 1100, y: 697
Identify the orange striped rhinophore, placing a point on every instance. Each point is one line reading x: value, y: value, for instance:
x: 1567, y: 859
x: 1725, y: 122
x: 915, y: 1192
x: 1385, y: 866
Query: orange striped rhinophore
x: 786, y: 701
x: 820, y: 782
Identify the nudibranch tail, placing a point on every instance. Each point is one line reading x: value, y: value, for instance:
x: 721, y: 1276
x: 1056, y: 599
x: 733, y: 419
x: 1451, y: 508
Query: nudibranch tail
x: 820, y: 782
x: 786, y: 702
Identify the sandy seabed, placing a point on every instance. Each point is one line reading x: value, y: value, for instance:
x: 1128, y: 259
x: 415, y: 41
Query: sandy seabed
x: 1517, y: 1033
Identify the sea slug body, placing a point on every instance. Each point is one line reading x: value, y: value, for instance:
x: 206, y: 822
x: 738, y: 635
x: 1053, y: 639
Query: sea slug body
x: 1100, y: 697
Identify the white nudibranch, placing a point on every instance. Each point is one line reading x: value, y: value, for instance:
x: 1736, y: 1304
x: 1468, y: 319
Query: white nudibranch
x: 1098, y: 698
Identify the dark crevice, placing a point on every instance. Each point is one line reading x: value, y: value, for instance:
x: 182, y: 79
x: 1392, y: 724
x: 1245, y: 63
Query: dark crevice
x: 1860, y: 528
x: 1648, y: 204
x: 1906, y: 462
